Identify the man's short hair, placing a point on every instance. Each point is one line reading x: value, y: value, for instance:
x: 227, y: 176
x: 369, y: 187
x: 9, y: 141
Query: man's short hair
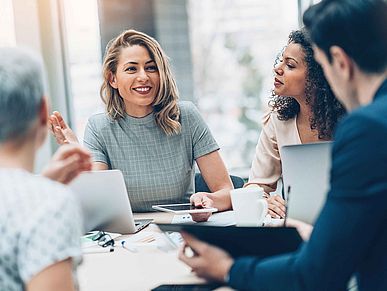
x: 21, y: 91
x: 359, y: 27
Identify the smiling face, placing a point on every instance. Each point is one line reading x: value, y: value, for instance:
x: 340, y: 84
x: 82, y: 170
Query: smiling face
x: 290, y: 73
x: 137, y: 80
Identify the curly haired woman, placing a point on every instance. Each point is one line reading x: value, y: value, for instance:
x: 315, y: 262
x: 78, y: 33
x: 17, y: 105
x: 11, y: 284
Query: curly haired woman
x: 303, y: 110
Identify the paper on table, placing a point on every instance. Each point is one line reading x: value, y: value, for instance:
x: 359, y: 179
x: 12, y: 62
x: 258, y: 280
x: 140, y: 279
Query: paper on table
x: 182, y: 218
x: 225, y: 218
x: 142, y: 237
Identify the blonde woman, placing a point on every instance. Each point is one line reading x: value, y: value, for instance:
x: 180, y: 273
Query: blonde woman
x: 145, y: 132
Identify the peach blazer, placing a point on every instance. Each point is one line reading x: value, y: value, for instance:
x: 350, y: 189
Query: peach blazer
x: 266, y: 167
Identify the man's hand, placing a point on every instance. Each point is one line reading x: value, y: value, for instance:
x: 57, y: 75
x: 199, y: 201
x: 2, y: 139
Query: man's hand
x: 60, y: 130
x: 303, y: 228
x: 66, y: 164
x: 208, y: 261
x: 276, y: 206
x: 201, y: 200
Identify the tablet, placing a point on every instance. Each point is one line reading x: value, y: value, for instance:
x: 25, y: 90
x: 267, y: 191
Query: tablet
x: 183, y: 208
x: 243, y: 241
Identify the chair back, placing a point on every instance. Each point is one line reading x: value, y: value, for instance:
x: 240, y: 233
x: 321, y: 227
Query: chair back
x: 201, y: 186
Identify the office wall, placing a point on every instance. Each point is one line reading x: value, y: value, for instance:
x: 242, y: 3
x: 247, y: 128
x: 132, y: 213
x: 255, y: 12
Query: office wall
x: 166, y: 20
x: 172, y: 31
x: 118, y: 15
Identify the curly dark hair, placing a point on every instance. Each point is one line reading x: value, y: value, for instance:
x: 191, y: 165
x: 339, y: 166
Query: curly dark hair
x: 325, y: 108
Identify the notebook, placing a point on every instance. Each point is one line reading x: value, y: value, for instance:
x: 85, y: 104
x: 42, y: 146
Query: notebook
x: 243, y: 241
x: 105, y: 202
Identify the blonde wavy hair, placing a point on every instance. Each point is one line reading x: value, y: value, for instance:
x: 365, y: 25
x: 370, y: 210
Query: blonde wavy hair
x: 166, y: 111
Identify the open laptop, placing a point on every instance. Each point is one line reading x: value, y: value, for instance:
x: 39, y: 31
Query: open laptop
x: 105, y: 202
x: 306, y: 168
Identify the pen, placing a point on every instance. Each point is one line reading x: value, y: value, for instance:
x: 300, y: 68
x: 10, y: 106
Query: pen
x: 97, y: 251
x: 125, y: 246
x: 286, y: 208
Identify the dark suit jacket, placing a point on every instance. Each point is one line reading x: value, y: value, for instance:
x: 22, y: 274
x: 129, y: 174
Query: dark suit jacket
x: 350, y: 235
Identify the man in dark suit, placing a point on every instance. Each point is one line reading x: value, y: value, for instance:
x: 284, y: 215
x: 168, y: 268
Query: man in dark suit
x: 350, y: 235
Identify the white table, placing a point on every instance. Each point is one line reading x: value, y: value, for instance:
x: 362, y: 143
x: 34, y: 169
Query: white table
x: 122, y: 270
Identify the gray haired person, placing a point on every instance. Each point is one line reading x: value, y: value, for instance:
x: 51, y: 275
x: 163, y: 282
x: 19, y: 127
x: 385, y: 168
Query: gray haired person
x: 37, y: 214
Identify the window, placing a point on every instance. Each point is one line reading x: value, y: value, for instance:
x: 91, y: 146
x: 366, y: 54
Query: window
x: 83, y: 41
x: 7, y: 27
x: 234, y: 45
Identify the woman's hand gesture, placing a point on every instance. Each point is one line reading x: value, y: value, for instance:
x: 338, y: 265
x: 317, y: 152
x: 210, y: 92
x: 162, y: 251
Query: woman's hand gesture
x: 60, y: 130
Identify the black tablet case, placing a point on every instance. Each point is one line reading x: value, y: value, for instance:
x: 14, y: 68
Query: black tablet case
x: 243, y: 241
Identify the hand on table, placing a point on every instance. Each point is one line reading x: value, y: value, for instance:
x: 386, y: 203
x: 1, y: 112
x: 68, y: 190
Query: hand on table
x: 60, y: 130
x: 201, y: 200
x: 67, y: 163
x: 304, y: 229
x: 208, y: 261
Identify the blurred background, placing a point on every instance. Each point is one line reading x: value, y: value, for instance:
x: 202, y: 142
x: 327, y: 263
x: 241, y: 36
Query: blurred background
x: 222, y: 53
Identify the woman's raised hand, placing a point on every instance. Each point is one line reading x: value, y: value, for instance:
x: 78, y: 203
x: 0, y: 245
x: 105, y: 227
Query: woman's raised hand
x: 60, y: 130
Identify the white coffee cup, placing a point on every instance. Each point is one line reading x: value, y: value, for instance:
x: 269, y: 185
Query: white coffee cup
x: 249, y: 205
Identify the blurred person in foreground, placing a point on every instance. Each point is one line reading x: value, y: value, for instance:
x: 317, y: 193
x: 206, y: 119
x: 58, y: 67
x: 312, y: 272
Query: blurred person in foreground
x: 40, y: 219
x: 344, y: 241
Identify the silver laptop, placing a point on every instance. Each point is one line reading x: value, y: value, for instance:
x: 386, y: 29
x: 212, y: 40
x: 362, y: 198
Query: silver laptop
x: 105, y: 202
x: 305, y: 170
